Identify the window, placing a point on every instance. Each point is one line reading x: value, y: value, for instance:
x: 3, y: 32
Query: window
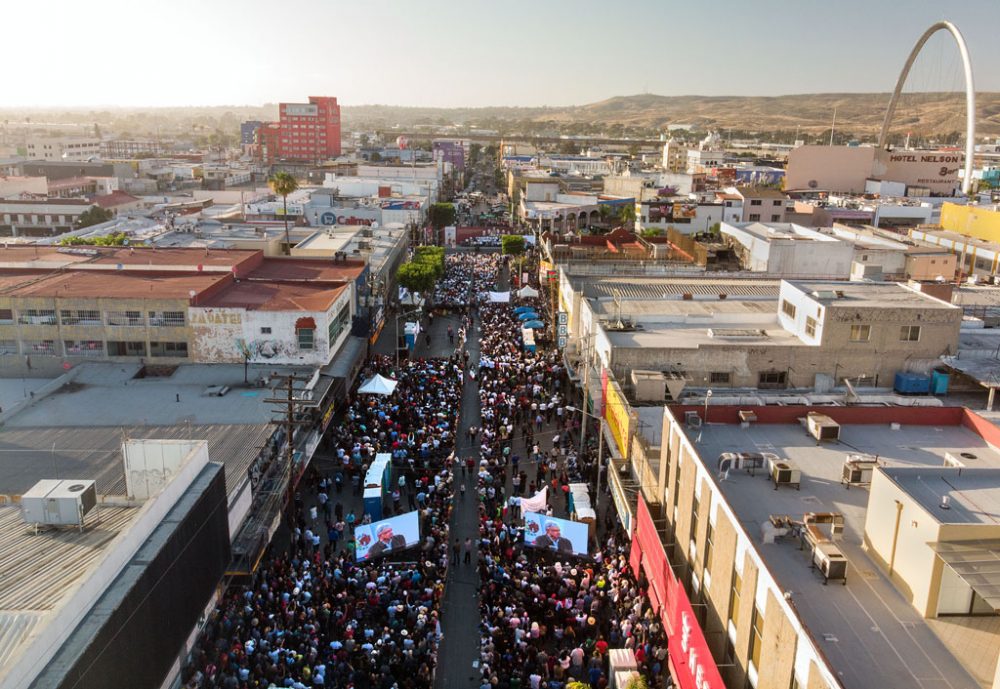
x: 37, y: 317
x: 125, y: 318
x: 723, y: 377
x: 168, y: 349
x: 909, y: 333
x: 6, y: 316
x: 755, y: 202
x: 734, y: 599
x: 756, y: 636
x: 80, y: 317
x: 754, y: 217
x: 788, y: 308
x: 861, y: 333
x: 166, y: 318
x: 265, y: 331
x: 307, y: 338
x: 694, y: 519
x: 810, y: 326
x: 8, y: 347
x: 709, y: 537
x: 39, y: 347
x: 771, y: 379
x: 125, y: 348
x: 775, y: 218
x: 776, y: 202
x: 88, y: 348
x: 338, y: 324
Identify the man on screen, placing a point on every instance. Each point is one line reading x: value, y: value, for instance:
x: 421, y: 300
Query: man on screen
x: 553, y: 540
x: 386, y: 541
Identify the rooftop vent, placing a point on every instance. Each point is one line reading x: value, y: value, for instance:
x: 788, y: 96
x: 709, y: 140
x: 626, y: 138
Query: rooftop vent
x: 827, y: 294
x: 58, y: 503
x: 737, y: 333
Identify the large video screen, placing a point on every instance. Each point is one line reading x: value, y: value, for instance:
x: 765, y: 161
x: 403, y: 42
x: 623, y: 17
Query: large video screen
x: 387, y: 536
x: 558, y: 535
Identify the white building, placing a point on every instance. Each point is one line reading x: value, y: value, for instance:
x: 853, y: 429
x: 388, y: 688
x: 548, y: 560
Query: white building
x: 63, y: 148
x: 790, y: 250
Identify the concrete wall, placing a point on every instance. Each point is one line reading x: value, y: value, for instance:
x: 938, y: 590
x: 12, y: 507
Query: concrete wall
x: 831, y: 168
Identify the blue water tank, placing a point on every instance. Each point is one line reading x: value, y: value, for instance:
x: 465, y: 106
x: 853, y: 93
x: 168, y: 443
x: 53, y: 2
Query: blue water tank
x: 912, y: 384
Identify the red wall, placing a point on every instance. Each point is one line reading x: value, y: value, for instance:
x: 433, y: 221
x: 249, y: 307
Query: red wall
x: 914, y: 416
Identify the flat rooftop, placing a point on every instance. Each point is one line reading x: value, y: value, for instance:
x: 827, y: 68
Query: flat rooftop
x: 88, y: 284
x: 306, y: 269
x: 867, y: 620
x: 974, y: 494
x: 666, y: 288
x: 692, y: 335
x: 842, y: 294
x: 770, y: 232
x: 275, y: 296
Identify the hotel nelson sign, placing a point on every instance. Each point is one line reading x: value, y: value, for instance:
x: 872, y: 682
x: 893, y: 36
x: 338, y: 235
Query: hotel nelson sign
x: 936, y: 170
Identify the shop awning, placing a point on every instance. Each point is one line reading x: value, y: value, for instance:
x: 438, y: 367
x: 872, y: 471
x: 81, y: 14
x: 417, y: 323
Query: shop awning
x: 977, y: 563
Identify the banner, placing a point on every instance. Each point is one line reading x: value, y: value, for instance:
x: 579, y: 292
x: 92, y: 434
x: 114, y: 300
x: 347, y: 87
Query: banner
x: 616, y: 413
x: 536, y: 503
x: 500, y: 297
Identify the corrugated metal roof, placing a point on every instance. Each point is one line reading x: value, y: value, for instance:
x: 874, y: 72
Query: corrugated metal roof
x: 658, y: 289
x: 28, y: 455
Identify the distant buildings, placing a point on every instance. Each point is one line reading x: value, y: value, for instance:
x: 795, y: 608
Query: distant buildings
x: 63, y: 148
x: 305, y: 132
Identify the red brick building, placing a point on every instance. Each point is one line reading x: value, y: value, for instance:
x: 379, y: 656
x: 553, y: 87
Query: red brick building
x: 305, y: 131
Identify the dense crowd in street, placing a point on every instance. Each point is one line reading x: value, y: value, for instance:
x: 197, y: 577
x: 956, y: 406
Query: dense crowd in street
x: 313, y: 616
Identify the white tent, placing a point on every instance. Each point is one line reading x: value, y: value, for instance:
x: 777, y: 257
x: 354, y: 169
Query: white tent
x: 527, y: 292
x: 378, y: 385
x: 500, y: 297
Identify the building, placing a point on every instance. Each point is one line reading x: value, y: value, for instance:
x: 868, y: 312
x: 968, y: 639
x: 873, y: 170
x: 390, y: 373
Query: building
x: 11, y: 186
x: 761, y: 204
x: 127, y: 149
x: 308, y: 132
x: 68, y: 149
x: 789, y: 250
x: 675, y: 156
x: 758, y: 523
x: 681, y: 214
x: 735, y: 333
x: 973, y: 257
x: 850, y: 168
x: 40, y: 217
x: 248, y: 132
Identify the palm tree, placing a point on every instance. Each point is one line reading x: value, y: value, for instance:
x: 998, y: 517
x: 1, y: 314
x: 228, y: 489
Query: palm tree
x: 283, y: 184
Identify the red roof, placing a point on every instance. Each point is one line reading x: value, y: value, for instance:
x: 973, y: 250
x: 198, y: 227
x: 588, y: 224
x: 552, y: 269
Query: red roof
x: 115, y: 199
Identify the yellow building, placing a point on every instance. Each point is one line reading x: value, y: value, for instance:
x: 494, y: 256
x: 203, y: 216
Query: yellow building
x: 974, y: 221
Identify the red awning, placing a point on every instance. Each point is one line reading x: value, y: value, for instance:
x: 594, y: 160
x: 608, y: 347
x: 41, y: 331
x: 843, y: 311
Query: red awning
x: 307, y: 323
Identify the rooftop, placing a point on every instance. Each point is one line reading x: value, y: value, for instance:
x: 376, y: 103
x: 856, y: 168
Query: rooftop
x: 110, y: 284
x: 841, y: 294
x: 663, y: 288
x: 770, y: 232
x: 275, y: 296
x: 868, y: 618
x: 304, y: 269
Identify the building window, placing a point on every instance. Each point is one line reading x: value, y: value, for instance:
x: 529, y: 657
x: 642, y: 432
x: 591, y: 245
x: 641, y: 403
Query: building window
x: 734, y: 599
x: 88, y: 348
x: 861, y: 333
x: 755, y: 202
x: 168, y: 349
x: 338, y: 324
x: 756, y: 636
x: 47, y: 347
x: 695, y: 505
x: 307, y: 338
x: 125, y: 318
x: 754, y: 217
x: 80, y: 317
x: 6, y: 316
x: 166, y: 318
x: 810, y: 326
x: 709, y: 544
x: 720, y: 377
x: 788, y: 308
x: 771, y: 379
x: 37, y: 317
x: 909, y: 333
x: 265, y: 331
x: 775, y: 218
x: 776, y: 202
x: 8, y: 347
x: 126, y: 348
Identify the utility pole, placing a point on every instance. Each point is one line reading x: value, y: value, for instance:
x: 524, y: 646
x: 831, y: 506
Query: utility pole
x: 288, y: 406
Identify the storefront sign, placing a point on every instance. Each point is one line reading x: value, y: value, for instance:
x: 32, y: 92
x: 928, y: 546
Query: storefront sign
x: 616, y: 413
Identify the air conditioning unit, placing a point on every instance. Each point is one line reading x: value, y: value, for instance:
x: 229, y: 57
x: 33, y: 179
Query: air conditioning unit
x: 785, y: 473
x: 831, y: 563
x: 857, y: 471
x: 59, y: 503
x: 822, y: 427
x: 692, y: 419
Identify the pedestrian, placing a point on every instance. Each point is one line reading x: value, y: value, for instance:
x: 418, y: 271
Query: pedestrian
x: 455, y: 549
x: 468, y: 551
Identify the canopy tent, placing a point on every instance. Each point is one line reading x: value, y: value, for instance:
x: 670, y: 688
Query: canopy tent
x: 533, y: 325
x: 528, y: 316
x: 527, y: 292
x: 500, y: 297
x: 522, y: 309
x: 378, y: 385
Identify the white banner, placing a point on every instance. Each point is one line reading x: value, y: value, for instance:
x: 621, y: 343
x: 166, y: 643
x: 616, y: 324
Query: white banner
x: 536, y: 503
x: 500, y: 297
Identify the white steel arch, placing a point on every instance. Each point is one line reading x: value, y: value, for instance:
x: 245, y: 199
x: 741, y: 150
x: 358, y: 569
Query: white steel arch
x: 970, y: 95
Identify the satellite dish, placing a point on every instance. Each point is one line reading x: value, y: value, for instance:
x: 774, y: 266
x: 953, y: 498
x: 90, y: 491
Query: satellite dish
x: 813, y: 184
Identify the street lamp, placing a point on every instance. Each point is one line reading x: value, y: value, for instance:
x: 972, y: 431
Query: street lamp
x: 708, y: 396
x: 600, y: 452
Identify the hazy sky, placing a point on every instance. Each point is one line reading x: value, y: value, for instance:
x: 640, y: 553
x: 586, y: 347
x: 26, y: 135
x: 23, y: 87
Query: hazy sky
x: 472, y: 52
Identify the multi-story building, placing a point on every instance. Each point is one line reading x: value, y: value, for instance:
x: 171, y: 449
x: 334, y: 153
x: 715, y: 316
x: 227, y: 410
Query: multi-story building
x: 761, y: 204
x: 130, y: 148
x: 675, y: 156
x: 790, y: 250
x: 305, y: 132
x: 40, y: 217
x: 63, y: 149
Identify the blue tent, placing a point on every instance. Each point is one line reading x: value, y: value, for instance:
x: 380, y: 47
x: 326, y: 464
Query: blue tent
x: 534, y: 325
x: 527, y: 316
x: 522, y: 309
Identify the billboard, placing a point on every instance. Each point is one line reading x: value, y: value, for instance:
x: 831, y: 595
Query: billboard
x: 934, y: 170
x: 387, y: 536
x: 558, y: 535
x: 685, y: 211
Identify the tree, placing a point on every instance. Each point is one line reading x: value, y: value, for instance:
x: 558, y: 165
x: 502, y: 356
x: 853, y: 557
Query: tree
x: 512, y: 245
x: 441, y: 215
x: 637, y: 681
x: 416, y: 277
x: 432, y: 256
x: 626, y: 214
x: 283, y: 184
x: 94, y: 215
x: 568, y: 147
x: 113, y: 239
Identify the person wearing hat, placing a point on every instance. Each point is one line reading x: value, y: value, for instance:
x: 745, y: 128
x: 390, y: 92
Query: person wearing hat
x: 553, y: 540
x: 386, y: 541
